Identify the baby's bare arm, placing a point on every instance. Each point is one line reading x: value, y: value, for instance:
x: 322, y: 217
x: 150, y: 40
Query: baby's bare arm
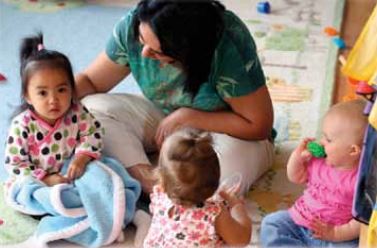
x: 296, y: 167
x: 233, y: 224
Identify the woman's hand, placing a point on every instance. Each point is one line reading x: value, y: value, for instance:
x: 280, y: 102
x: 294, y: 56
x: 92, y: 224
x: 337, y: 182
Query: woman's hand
x: 173, y: 122
x: 53, y: 179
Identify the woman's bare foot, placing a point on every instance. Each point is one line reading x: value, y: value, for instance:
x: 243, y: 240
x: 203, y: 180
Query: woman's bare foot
x: 144, y: 174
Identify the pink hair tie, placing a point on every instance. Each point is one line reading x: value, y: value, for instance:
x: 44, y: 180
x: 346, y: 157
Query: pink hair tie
x: 40, y: 47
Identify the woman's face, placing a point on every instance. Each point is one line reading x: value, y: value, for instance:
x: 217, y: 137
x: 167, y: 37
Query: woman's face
x: 151, y: 45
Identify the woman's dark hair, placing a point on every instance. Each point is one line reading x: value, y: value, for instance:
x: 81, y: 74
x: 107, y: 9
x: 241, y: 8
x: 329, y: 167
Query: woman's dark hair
x: 188, y: 31
x: 33, y: 57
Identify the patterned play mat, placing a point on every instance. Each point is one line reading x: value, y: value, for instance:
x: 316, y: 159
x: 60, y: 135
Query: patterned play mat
x: 14, y: 226
x: 299, y: 61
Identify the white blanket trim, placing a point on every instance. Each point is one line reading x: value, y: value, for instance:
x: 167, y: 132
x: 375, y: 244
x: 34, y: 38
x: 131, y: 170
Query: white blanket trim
x: 64, y: 233
x: 119, y: 203
x: 56, y: 202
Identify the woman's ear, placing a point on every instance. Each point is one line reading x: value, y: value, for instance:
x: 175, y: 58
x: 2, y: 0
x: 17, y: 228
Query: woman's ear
x: 355, y: 150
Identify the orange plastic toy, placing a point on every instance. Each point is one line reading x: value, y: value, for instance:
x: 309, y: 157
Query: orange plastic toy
x: 330, y: 31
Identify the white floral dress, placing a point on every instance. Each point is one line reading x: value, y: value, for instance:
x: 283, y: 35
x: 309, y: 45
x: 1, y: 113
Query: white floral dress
x: 187, y: 226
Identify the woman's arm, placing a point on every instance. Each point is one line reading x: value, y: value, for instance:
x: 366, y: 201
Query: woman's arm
x: 251, y: 118
x: 100, y: 76
x: 252, y: 115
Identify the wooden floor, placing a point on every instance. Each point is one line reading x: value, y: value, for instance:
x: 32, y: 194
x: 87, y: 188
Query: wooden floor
x: 355, y: 15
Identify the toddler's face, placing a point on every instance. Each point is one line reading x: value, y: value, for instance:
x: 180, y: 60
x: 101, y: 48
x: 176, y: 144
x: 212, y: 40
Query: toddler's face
x: 49, y: 92
x: 336, y: 142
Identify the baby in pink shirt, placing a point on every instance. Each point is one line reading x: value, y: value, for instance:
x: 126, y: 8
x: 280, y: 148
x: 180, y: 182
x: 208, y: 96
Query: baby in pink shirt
x: 322, y: 216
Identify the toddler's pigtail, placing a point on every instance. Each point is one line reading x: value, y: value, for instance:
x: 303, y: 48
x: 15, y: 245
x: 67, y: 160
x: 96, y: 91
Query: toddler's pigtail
x: 29, y: 49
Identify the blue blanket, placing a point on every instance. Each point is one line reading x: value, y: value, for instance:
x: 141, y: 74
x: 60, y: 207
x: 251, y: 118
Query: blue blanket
x: 91, y: 212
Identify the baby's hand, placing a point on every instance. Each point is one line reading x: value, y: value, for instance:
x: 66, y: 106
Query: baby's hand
x: 75, y: 170
x: 232, y: 184
x: 316, y: 149
x: 302, y: 152
x: 54, y: 179
x: 322, y: 230
x: 237, y: 209
x: 231, y: 199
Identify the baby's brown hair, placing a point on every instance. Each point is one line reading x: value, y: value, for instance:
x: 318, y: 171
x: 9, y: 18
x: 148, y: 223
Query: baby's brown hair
x: 189, y: 169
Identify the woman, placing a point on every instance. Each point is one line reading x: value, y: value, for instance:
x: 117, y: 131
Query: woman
x: 196, y: 64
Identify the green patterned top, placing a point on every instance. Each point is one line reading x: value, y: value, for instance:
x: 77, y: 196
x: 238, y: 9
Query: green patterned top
x: 235, y: 70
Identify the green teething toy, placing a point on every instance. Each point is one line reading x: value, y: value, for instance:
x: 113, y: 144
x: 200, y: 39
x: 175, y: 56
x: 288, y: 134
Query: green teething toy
x: 316, y: 149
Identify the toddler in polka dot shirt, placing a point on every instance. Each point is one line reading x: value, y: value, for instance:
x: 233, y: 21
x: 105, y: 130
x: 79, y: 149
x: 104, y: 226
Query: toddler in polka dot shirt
x: 50, y: 127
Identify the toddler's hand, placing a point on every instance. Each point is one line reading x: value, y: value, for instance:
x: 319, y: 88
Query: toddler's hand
x: 54, y: 179
x: 237, y: 209
x: 231, y: 199
x: 303, y: 153
x: 232, y: 184
x: 75, y: 170
x: 322, y: 230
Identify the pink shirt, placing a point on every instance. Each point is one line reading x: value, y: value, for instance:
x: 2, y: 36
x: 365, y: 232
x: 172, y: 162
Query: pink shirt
x: 327, y: 197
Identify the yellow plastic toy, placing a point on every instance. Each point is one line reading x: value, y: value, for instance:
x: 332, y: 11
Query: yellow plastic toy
x: 361, y: 63
x: 372, y: 231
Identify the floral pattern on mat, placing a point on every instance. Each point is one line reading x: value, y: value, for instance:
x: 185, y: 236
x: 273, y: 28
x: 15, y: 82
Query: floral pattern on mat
x: 272, y: 191
x: 298, y: 59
